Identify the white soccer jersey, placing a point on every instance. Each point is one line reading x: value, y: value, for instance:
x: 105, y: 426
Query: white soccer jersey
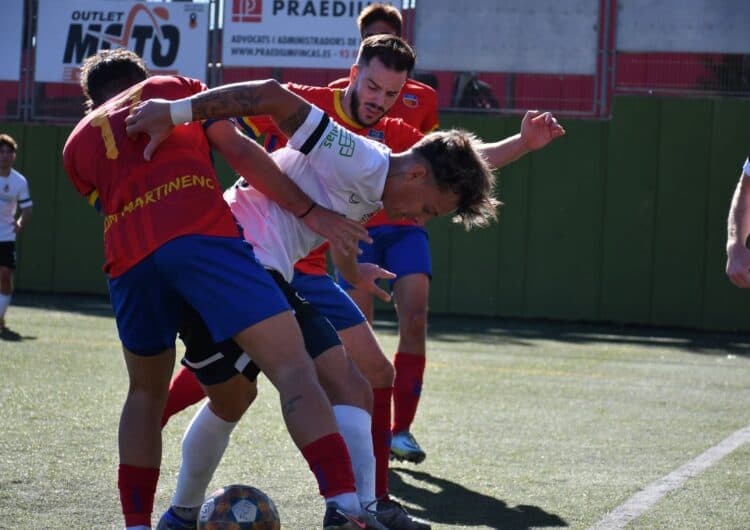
x: 337, y: 169
x: 14, y: 194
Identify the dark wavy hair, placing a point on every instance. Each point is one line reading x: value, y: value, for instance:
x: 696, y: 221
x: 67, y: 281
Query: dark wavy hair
x: 392, y: 51
x: 458, y: 165
x: 110, y: 72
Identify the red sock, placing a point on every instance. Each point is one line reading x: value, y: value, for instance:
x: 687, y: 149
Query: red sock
x: 137, y: 487
x: 183, y: 392
x: 329, y: 460
x: 406, y: 389
x: 381, y: 437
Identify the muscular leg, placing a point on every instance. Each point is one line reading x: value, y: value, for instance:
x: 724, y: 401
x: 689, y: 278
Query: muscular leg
x: 363, y: 348
x: 411, y: 294
x: 140, y: 433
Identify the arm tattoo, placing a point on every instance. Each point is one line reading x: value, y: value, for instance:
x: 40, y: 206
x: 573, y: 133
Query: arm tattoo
x: 226, y: 102
x: 293, y: 122
x: 289, y: 407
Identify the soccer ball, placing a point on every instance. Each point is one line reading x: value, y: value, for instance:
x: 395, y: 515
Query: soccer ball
x: 238, y: 507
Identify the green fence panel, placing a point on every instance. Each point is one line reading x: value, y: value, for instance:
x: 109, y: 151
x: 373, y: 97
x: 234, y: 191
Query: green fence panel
x: 682, y: 192
x: 36, y: 247
x: 565, y: 213
x: 475, y: 255
x: 630, y: 209
x: 724, y: 306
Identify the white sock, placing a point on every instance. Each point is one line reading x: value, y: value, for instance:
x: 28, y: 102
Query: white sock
x: 203, y: 445
x: 354, y: 426
x: 4, y: 303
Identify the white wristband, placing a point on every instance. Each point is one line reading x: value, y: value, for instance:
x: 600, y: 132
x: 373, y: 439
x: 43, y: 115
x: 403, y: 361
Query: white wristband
x: 181, y: 111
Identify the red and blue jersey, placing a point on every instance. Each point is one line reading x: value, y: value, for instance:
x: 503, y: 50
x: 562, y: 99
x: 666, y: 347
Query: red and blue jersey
x: 398, y: 135
x: 146, y: 204
x: 417, y: 104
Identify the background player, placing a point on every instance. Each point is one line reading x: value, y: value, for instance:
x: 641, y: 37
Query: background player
x: 14, y: 195
x: 170, y: 239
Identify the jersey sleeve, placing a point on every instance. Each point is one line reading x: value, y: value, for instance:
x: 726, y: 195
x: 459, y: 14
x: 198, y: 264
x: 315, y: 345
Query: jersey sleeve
x: 83, y: 187
x: 343, y: 157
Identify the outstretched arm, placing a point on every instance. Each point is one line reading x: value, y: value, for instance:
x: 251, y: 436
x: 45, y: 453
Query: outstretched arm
x: 537, y: 130
x: 156, y: 117
x: 738, y: 230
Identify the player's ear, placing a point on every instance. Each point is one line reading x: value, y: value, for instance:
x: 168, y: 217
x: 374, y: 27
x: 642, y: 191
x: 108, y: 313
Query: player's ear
x: 417, y: 171
x: 353, y: 73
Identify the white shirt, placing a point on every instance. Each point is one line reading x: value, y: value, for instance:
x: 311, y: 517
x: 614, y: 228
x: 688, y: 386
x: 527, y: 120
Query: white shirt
x: 337, y: 169
x: 14, y: 194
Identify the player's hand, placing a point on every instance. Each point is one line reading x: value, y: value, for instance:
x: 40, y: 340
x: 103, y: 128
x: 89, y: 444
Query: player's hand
x: 368, y: 276
x: 738, y: 266
x: 343, y: 234
x: 539, y: 129
x: 150, y: 117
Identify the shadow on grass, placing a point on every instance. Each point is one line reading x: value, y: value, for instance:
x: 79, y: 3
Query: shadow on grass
x: 523, y: 332
x: 90, y: 305
x: 441, y: 501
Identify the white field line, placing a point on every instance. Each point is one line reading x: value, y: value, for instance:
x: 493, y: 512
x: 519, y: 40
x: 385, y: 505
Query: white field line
x: 650, y: 495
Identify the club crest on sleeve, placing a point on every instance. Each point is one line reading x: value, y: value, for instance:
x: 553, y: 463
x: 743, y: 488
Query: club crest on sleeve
x: 410, y: 100
x: 376, y: 135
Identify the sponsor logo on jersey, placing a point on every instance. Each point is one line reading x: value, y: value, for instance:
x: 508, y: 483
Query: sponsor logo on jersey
x: 410, y: 100
x: 376, y: 135
x: 354, y: 198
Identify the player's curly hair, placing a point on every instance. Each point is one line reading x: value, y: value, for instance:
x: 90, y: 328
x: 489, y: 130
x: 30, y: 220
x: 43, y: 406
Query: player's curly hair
x: 380, y: 13
x: 458, y: 166
x: 394, y: 52
x: 110, y: 72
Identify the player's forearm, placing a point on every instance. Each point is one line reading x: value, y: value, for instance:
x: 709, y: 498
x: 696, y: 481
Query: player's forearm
x: 251, y: 99
x: 502, y: 153
x: 24, y: 218
x: 738, y: 221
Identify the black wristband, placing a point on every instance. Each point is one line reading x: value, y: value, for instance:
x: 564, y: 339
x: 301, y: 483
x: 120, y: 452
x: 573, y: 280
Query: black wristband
x: 310, y: 209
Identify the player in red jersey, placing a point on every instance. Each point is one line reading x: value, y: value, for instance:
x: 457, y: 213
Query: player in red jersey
x: 377, y: 79
x: 170, y: 239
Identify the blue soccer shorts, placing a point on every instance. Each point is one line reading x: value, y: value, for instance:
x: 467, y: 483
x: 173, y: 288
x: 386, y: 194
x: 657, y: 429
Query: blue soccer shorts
x: 329, y: 299
x: 401, y: 249
x: 214, y: 363
x: 218, y: 276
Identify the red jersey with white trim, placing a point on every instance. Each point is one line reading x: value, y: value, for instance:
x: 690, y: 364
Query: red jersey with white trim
x: 398, y: 135
x: 417, y: 104
x: 146, y: 204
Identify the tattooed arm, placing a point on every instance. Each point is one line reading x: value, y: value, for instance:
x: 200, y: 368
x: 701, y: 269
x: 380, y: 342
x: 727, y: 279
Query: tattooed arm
x: 156, y: 117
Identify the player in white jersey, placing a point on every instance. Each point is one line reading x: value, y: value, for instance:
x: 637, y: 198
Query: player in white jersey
x: 349, y: 174
x: 14, y: 195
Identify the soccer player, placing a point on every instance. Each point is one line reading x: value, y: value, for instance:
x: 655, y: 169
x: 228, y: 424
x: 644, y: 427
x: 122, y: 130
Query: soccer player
x: 14, y: 195
x: 380, y: 71
x: 738, y: 230
x: 402, y: 247
x: 417, y: 103
x: 170, y: 239
x: 441, y: 174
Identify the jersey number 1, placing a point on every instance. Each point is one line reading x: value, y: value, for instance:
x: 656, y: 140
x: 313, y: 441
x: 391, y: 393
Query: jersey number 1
x: 101, y: 120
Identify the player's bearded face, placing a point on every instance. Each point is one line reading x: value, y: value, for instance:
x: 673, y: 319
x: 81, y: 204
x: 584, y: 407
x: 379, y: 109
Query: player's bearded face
x: 376, y: 89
